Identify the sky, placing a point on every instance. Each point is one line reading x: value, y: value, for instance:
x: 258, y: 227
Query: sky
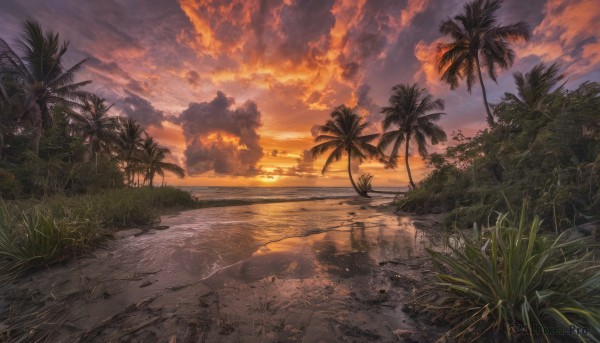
x: 236, y: 88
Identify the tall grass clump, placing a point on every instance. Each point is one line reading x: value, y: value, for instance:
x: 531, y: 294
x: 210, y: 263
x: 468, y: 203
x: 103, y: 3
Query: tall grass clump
x: 364, y: 183
x: 510, y: 283
x: 29, y: 238
x: 117, y: 208
x: 40, y: 232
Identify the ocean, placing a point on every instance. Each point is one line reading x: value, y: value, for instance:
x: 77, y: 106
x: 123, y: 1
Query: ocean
x: 277, y: 194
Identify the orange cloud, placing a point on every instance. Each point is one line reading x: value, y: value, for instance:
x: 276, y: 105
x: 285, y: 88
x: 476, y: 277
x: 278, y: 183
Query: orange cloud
x: 427, y: 54
x: 568, y: 26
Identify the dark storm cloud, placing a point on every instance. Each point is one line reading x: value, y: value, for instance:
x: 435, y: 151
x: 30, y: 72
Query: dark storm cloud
x: 260, y: 21
x: 192, y: 77
x: 200, y: 120
x: 141, y: 110
x: 349, y: 70
x: 366, y: 102
x: 304, y: 22
x: 369, y: 39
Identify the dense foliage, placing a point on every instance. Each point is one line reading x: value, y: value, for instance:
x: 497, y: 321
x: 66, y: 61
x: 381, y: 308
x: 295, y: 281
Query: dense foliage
x: 545, y: 148
x: 55, y: 138
x: 511, y: 282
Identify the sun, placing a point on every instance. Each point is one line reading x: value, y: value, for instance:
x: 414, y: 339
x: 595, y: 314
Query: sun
x: 269, y: 178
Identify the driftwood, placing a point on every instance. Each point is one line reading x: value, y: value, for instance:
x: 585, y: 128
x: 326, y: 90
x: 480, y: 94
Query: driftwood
x: 385, y: 192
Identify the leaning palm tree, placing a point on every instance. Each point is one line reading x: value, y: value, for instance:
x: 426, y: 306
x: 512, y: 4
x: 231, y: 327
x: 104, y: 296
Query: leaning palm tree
x: 343, y: 133
x: 152, y: 159
x: 477, y: 41
x: 409, y: 111
x: 41, y: 74
x: 130, y: 140
x: 97, y: 128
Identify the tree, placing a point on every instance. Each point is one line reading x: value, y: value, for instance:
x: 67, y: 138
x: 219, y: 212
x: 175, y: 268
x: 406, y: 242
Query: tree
x: 537, y: 88
x: 130, y: 140
x: 40, y: 71
x: 97, y: 128
x: 343, y: 133
x: 477, y: 41
x: 152, y: 159
x: 409, y: 111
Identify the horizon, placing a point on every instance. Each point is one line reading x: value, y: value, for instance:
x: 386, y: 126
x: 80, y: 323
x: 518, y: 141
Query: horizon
x: 235, y: 90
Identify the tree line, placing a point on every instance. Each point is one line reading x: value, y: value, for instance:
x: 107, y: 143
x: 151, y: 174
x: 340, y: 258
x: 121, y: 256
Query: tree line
x: 541, y: 146
x: 478, y: 42
x: 55, y: 137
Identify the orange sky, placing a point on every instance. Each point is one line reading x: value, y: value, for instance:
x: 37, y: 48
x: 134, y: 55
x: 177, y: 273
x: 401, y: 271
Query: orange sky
x: 234, y: 88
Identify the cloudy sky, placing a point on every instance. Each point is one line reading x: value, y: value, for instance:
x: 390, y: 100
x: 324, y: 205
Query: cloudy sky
x: 235, y: 88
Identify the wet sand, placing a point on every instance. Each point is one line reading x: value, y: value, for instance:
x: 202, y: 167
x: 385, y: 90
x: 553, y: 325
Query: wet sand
x: 319, y: 271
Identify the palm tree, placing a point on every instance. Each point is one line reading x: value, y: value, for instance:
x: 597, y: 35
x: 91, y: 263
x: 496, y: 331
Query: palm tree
x: 477, y: 41
x: 43, y: 79
x: 130, y: 140
x: 152, y: 159
x: 343, y: 133
x: 409, y: 112
x: 96, y: 126
x: 537, y: 88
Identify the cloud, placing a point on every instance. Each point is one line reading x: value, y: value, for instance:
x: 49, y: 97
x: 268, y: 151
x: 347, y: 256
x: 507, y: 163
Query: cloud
x: 427, y: 55
x: 565, y: 35
x: 366, y: 103
x: 141, y: 110
x: 221, y: 138
x: 192, y: 77
x: 274, y: 153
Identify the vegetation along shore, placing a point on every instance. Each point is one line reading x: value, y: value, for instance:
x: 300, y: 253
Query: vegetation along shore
x: 498, y: 241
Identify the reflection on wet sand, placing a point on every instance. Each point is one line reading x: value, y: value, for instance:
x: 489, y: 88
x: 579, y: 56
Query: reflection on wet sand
x: 288, y: 271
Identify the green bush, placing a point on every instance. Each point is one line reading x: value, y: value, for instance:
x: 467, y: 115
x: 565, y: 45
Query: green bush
x: 512, y: 277
x: 550, y: 159
x: 117, y: 208
x: 10, y: 187
x: 364, y: 183
x: 32, y: 237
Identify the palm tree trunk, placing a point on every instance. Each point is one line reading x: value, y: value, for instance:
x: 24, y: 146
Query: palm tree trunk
x: 37, y: 128
x: 412, y: 183
x: 350, y: 176
x: 490, y: 118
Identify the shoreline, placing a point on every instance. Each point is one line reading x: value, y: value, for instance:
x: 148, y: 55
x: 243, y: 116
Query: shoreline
x: 107, y: 296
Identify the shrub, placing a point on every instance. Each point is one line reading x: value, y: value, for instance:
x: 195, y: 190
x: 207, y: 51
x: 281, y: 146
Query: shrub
x: 512, y: 277
x: 364, y: 183
x: 32, y: 237
x: 10, y: 187
x: 34, y: 233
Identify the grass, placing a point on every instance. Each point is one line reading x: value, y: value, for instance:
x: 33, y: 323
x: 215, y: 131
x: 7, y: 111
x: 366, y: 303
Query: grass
x: 41, y: 232
x: 509, y: 281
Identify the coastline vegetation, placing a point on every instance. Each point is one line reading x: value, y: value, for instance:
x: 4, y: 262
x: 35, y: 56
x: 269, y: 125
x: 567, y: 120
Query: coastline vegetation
x: 521, y: 272
x: 36, y: 232
x: 509, y: 281
x: 70, y: 172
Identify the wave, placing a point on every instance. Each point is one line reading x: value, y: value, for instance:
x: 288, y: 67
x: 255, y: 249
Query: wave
x: 245, y: 201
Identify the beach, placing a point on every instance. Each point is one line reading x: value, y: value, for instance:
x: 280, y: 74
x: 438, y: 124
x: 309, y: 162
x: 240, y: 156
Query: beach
x: 300, y: 271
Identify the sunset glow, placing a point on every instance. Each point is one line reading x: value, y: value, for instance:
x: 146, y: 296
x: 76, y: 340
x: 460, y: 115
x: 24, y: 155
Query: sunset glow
x: 235, y: 88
